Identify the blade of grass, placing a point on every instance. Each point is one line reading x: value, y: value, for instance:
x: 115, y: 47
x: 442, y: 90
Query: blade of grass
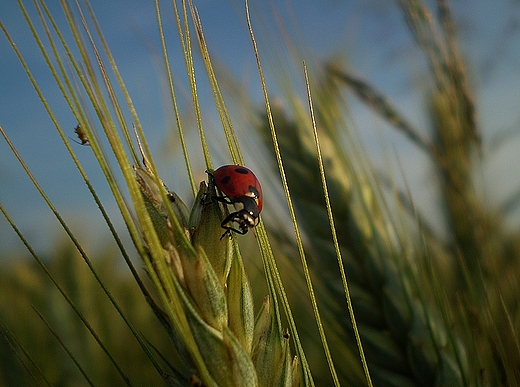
x: 64, y: 346
x: 77, y: 111
x: 307, y: 377
x: 190, y: 70
x: 105, y: 215
x: 12, y: 341
x: 51, y: 277
x: 115, y: 102
x: 338, y: 254
x: 172, y: 92
x: 163, y: 278
x: 225, y: 120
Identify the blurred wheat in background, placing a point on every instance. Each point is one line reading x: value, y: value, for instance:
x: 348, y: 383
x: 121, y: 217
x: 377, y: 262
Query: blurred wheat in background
x: 345, y: 281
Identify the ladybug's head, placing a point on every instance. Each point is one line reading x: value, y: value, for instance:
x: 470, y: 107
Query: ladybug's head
x: 246, y: 215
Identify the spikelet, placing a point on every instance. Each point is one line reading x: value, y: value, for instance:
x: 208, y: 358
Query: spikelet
x: 216, y: 295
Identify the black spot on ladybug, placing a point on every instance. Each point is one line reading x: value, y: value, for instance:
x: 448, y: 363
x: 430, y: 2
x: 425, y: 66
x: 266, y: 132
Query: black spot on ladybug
x: 254, y: 191
x: 225, y: 180
x: 242, y: 171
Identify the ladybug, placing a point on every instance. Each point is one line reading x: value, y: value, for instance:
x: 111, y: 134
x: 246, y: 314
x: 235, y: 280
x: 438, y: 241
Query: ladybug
x: 242, y: 189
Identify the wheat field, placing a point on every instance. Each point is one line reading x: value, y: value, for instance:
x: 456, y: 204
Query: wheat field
x: 343, y: 282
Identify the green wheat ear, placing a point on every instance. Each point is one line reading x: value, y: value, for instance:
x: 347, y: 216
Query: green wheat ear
x: 404, y: 337
x: 216, y: 295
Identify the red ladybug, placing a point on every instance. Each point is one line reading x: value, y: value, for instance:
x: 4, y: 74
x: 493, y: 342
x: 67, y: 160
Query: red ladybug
x: 242, y: 189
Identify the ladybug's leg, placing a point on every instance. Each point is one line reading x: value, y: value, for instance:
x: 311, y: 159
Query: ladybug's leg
x: 223, y: 199
x: 229, y: 229
x: 227, y: 232
x: 211, y: 198
x: 213, y: 194
x: 231, y: 218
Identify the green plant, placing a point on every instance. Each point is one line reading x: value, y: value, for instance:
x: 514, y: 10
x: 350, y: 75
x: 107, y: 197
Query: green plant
x: 393, y: 304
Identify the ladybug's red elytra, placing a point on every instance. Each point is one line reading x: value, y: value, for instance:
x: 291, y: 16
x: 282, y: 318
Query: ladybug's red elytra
x: 242, y: 189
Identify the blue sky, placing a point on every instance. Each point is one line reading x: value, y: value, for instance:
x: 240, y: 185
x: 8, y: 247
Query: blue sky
x: 369, y: 35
